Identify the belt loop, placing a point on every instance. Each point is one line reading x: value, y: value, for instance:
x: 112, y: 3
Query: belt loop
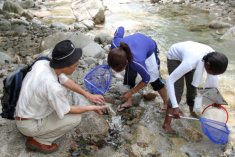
x: 20, y: 118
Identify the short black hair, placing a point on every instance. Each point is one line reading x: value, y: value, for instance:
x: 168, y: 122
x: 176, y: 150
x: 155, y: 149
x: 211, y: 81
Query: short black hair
x: 218, y: 61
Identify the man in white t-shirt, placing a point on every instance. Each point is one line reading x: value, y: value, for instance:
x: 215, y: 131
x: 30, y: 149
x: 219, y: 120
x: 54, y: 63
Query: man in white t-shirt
x: 43, y: 112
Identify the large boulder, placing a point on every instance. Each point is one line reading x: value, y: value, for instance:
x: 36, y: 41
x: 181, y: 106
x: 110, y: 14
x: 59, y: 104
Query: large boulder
x: 91, y: 122
x: 12, y: 7
x: 93, y: 50
x: 79, y: 40
x: 219, y: 24
x: 142, y: 142
x: 229, y: 35
x: 19, y: 22
x: 88, y: 10
x: 27, y: 4
x: 103, y: 38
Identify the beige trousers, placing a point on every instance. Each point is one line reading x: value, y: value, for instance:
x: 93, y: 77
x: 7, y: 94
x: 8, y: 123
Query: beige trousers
x: 48, y: 129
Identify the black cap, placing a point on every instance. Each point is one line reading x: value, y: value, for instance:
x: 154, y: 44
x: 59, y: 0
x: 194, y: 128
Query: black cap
x: 65, y: 54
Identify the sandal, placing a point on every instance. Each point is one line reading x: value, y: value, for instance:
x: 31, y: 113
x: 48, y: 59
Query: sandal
x: 125, y: 108
x: 162, y: 111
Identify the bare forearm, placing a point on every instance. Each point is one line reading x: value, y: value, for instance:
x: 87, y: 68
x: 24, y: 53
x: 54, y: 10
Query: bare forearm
x: 74, y: 87
x: 139, y: 86
x: 80, y: 109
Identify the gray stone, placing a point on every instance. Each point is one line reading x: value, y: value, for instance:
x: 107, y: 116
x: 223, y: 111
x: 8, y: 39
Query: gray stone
x: 61, y: 26
x: 19, y: 22
x: 103, y: 38
x: 113, y: 89
x: 4, y: 58
x: 191, y: 134
x: 90, y: 60
x: 12, y: 7
x: 28, y: 15
x: 178, y: 1
x: 27, y: 4
x: 118, y: 76
x: 88, y: 23
x: 109, y: 99
x: 28, y: 60
x: 107, y: 48
x: 5, y: 25
x: 80, y: 26
x: 36, y: 23
x: 92, y: 50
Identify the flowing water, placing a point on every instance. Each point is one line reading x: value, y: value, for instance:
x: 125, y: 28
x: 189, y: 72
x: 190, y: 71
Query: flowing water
x: 167, y: 26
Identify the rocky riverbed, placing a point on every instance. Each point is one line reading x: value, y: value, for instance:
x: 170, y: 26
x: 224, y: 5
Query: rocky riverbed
x: 30, y: 29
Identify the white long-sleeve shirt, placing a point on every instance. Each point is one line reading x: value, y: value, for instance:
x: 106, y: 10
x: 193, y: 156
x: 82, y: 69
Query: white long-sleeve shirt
x: 190, y: 54
x: 41, y: 93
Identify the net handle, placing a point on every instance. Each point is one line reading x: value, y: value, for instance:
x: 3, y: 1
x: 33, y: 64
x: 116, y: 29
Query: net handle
x: 219, y: 107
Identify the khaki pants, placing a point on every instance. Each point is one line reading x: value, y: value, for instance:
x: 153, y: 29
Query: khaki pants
x: 48, y: 129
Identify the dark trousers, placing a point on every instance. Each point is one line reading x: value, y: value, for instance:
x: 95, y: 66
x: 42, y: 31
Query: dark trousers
x: 179, y: 84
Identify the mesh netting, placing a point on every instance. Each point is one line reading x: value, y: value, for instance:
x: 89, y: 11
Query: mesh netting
x: 216, y: 131
x: 98, y: 79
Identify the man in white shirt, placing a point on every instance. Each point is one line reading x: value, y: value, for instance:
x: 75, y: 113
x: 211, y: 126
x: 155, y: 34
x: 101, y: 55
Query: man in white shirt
x: 43, y: 112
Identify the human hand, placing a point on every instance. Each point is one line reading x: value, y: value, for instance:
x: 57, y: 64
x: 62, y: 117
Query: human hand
x: 126, y: 95
x: 176, y: 112
x: 98, y: 109
x: 98, y: 99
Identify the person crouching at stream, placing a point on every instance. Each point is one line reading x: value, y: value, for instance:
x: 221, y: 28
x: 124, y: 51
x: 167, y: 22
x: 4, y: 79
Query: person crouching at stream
x: 136, y: 53
x: 188, y: 60
x: 43, y: 112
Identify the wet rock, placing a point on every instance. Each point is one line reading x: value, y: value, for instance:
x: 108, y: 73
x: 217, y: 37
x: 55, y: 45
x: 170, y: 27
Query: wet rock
x: 219, y: 24
x: 27, y: 4
x: 76, y: 153
x: 136, y: 98
x: 173, y: 153
x: 103, y: 38
x: 5, y: 25
x: 221, y: 31
x: 229, y: 35
x: 12, y: 7
x: 110, y: 109
x: 192, y: 135
x: 178, y: 141
x: 93, y: 50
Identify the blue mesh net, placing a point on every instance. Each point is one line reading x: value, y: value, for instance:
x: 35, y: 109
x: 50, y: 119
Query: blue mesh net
x: 216, y: 131
x: 98, y: 79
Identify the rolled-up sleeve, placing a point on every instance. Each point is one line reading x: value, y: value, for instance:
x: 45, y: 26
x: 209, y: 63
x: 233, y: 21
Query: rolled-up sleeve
x: 63, y: 78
